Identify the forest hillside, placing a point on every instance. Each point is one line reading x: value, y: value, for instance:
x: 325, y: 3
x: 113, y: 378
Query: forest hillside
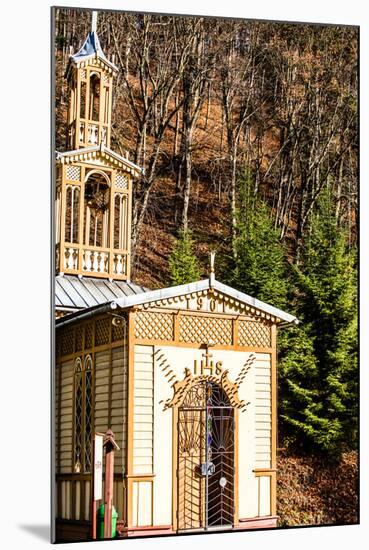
x: 199, y: 102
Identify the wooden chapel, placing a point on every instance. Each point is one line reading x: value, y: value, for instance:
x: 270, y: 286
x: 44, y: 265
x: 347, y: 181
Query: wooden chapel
x: 184, y: 376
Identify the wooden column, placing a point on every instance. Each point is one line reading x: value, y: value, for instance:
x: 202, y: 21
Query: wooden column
x: 62, y: 218
x: 112, y: 221
x: 81, y: 221
x: 128, y: 223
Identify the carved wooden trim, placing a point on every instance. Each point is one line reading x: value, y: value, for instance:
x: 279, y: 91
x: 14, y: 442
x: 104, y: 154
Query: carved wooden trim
x: 180, y: 388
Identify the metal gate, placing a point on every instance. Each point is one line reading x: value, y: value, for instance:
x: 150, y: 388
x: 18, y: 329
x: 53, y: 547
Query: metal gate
x: 205, y: 458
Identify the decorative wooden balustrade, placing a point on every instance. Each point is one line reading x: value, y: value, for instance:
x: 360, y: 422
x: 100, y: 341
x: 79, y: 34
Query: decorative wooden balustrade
x: 90, y: 260
x: 92, y: 133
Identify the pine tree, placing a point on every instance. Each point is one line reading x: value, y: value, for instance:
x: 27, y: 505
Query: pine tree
x: 183, y: 264
x: 259, y: 265
x: 319, y: 376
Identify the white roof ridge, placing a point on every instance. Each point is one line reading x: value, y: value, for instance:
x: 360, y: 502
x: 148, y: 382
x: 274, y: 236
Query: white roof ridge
x: 205, y: 284
x: 98, y: 148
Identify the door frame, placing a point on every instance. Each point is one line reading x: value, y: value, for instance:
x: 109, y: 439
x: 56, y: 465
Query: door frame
x: 175, y: 467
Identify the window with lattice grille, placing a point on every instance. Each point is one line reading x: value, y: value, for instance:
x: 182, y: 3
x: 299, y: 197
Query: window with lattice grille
x: 72, y: 213
x: 83, y: 414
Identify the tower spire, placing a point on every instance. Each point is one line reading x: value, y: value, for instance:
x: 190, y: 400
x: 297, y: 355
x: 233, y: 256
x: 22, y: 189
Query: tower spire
x: 94, y: 21
x: 212, y: 271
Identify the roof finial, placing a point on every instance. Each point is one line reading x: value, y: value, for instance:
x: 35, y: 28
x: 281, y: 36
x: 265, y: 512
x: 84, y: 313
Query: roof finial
x: 94, y: 21
x: 212, y: 273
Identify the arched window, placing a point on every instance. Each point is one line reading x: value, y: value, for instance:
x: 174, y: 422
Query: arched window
x: 72, y: 213
x: 88, y: 413
x: 83, y: 100
x: 96, y: 210
x: 120, y: 221
x: 83, y: 414
x: 94, y: 97
x: 78, y: 415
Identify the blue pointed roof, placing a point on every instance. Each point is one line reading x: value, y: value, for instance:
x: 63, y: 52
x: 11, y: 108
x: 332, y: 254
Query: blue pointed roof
x: 91, y: 48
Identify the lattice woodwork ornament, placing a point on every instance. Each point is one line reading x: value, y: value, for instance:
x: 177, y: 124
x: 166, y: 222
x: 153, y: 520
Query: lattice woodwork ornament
x: 254, y: 333
x: 119, y: 328
x: 121, y: 181
x: 73, y: 173
x: 102, y: 331
x: 67, y: 341
x: 89, y: 335
x: 205, y: 329
x: 155, y: 326
x: 78, y: 340
x: 85, y: 336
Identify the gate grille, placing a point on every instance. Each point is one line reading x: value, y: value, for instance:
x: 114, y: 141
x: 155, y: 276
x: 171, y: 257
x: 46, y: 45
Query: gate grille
x: 205, y: 458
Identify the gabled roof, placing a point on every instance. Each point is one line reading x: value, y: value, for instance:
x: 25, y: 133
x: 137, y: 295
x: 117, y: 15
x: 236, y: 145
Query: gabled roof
x: 206, y: 284
x: 91, y: 49
x: 73, y: 293
x: 153, y: 296
x: 99, y: 151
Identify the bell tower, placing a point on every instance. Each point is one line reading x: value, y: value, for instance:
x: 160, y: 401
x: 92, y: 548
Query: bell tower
x: 90, y: 81
x: 93, y: 183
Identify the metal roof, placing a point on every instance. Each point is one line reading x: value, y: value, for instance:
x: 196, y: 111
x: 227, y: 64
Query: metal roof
x: 146, y: 296
x: 91, y: 48
x: 73, y: 293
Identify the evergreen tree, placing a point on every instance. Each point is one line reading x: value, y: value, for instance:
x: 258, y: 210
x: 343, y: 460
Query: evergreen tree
x: 259, y: 265
x: 318, y: 369
x: 183, y: 264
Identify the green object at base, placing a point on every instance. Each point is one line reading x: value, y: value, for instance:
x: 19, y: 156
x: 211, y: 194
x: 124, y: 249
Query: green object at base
x: 100, y: 522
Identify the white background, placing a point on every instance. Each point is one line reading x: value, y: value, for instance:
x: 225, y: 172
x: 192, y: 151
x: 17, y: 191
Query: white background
x: 25, y: 274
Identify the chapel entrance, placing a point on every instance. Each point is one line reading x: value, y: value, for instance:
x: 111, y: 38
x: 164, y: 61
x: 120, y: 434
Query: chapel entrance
x: 205, y: 458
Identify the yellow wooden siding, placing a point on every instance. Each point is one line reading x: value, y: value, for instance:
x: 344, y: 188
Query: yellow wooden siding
x: 116, y: 403
x: 143, y: 410
x: 142, y: 503
x: 66, y: 418
x: 102, y: 379
x: 118, y: 411
x: 118, y: 496
x: 263, y: 418
x: 264, y: 495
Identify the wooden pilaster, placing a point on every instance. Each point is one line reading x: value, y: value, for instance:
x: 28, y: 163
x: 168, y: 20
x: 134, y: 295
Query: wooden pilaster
x: 273, y: 480
x: 130, y: 426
